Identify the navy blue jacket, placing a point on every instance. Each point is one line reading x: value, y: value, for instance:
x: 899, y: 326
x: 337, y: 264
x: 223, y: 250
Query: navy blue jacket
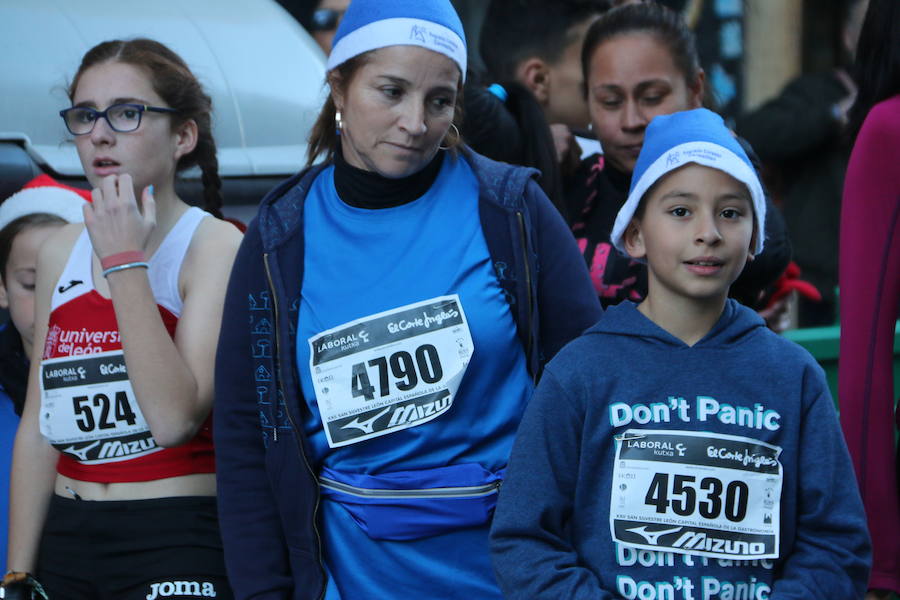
x: 268, y: 494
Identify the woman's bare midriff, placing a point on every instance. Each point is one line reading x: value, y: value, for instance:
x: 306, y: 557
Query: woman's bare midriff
x: 196, y: 484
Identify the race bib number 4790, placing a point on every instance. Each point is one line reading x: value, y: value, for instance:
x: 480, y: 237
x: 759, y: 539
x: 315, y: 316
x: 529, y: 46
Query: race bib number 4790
x: 694, y: 492
x: 390, y: 371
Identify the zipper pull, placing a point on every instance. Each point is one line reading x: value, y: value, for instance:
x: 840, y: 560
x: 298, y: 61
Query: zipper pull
x: 275, y: 433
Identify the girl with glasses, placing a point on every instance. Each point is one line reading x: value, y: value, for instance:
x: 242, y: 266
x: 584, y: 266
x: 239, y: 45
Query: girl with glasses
x: 388, y: 313
x: 113, y: 485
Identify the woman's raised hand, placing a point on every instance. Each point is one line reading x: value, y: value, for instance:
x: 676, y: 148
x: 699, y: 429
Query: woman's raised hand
x: 114, y: 220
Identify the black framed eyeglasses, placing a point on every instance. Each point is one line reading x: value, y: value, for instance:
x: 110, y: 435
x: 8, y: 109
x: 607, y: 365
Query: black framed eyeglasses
x: 325, y: 19
x: 121, y: 117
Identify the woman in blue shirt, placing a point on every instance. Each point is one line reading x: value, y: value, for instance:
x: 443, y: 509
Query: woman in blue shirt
x: 387, y: 316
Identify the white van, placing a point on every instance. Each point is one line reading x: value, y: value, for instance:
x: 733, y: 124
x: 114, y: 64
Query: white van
x: 263, y: 71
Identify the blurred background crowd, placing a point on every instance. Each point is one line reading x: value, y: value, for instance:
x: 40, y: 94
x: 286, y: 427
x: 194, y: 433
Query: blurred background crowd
x: 777, y: 71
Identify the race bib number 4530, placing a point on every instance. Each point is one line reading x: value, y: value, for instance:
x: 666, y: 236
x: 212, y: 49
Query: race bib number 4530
x: 390, y: 371
x: 694, y: 492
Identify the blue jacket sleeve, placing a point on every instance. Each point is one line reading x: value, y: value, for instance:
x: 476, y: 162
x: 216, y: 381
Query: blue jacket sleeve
x: 567, y: 302
x: 255, y: 549
x: 831, y: 556
x: 532, y: 553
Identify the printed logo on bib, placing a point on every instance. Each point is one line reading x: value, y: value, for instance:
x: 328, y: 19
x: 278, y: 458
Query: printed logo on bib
x: 390, y: 371
x: 696, y: 493
x: 88, y: 410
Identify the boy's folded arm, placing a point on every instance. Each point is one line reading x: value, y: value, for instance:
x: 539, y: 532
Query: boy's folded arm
x: 831, y: 556
x: 531, y: 546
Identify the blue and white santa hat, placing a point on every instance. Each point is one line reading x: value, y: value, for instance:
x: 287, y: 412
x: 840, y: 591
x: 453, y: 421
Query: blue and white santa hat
x: 372, y: 24
x: 692, y: 136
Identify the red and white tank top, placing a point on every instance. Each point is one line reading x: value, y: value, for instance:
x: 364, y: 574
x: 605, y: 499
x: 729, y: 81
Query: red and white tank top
x: 88, y: 408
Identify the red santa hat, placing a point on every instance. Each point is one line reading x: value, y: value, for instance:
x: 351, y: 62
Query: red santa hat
x: 43, y: 194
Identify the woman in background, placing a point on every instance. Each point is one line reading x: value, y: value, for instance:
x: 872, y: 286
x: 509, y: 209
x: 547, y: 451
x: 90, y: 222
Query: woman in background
x: 870, y: 288
x: 387, y: 316
x: 639, y: 61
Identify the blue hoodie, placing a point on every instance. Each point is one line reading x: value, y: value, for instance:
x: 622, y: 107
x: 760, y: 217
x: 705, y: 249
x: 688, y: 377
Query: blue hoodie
x: 693, y: 456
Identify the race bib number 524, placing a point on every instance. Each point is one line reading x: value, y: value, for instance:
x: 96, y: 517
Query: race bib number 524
x: 390, y: 371
x: 88, y: 409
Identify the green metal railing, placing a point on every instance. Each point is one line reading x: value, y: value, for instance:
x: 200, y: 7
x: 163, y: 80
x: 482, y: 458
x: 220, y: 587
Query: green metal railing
x: 824, y: 343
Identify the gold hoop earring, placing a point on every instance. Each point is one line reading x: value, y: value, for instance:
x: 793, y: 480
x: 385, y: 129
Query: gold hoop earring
x: 451, y: 140
x: 338, y: 122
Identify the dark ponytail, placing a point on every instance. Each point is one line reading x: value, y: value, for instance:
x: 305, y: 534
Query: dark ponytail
x: 179, y: 88
x: 513, y: 130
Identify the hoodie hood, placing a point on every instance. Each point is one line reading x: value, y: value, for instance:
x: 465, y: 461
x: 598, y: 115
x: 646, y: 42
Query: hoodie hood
x: 735, y: 325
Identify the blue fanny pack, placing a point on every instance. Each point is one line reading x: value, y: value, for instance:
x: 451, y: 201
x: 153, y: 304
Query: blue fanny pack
x: 407, y: 505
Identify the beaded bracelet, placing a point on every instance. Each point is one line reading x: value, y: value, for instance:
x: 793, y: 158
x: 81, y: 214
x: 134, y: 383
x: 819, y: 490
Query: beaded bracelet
x: 121, y: 258
x: 131, y: 265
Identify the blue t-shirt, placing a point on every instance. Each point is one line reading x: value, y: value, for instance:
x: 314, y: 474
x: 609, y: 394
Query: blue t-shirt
x: 360, y: 262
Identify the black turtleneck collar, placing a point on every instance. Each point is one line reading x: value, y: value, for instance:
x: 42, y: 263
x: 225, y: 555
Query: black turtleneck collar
x: 365, y: 189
